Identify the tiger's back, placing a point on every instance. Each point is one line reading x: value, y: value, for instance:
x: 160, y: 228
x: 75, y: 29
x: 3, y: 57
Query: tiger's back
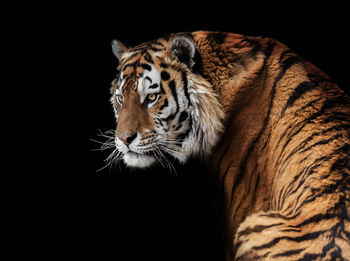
x: 283, y: 163
x: 283, y: 160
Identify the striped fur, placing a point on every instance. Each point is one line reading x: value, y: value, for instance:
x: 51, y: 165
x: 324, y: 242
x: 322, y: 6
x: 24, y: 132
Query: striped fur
x: 283, y: 161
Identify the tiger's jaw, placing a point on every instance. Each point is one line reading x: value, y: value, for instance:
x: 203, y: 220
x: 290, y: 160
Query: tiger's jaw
x: 135, y: 155
x: 136, y: 160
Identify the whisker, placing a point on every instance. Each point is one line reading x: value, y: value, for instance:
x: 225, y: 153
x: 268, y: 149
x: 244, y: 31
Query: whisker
x: 168, y: 162
x: 164, y: 145
x: 115, y: 156
x: 176, y: 132
x: 158, y: 156
x: 174, y: 142
x: 104, y: 145
x: 108, y: 160
x: 107, y: 132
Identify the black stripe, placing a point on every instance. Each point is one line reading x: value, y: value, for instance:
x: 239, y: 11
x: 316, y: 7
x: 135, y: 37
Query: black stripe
x: 304, y: 142
x: 217, y: 37
x: 172, y: 87
x: 226, y: 171
x: 291, y: 230
x: 337, y: 116
x: 319, y: 78
x: 159, y: 121
x: 309, y: 104
x: 310, y: 257
x: 278, y: 215
x: 286, y: 52
x: 330, y: 104
x: 148, y: 58
x: 162, y: 89
x: 328, y: 189
x: 153, y: 86
x: 287, y: 64
x: 255, y: 44
x: 327, y: 105
x: 148, y: 78
x: 322, y: 142
x: 130, y: 57
x: 315, y: 219
x: 163, y: 65
x: 184, y: 135
x: 157, y: 43
x: 183, y: 116
x: 334, y: 255
x: 305, y: 188
x: 301, y: 89
x: 236, y: 246
x: 305, y: 237
x: 228, y: 146
x: 255, y: 257
x: 303, y: 172
x: 154, y: 49
x: 344, y: 149
x: 130, y: 65
x: 267, y: 53
x: 343, y: 162
x: 178, y: 127
x: 165, y: 104
x: 141, y: 49
x: 165, y: 75
x: 257, y: 229
x: 184, y: 79
x: 280, y: 197
x: 289, y: 253
x: 347, y: 234
x: 257, y: 184
x: 146, y: 66
x: 222, y: 156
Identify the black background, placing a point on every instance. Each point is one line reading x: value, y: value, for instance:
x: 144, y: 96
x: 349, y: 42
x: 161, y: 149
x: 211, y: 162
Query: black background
x: 130, y: 214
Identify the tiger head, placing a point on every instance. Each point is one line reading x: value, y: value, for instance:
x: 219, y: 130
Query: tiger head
x: 163, y: 106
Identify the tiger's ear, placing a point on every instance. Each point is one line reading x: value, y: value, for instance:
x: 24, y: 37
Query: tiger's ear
x: 184, y: 49
x: 118, y: 49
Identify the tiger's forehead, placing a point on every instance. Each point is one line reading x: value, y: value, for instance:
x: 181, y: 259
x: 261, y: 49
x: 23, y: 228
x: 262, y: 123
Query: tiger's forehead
x: 133, y: 75
x: 140, y: 63
x: 137, y: 58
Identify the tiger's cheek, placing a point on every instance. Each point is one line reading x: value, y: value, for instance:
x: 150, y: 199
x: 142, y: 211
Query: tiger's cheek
x: 157, y: 113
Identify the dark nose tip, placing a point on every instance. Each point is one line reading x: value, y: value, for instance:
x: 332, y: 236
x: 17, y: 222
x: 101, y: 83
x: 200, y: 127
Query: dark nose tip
x: 127, y: 138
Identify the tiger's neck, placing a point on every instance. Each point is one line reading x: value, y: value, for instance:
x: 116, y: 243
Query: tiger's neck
x: 231, y: 67
x: 240, y: 76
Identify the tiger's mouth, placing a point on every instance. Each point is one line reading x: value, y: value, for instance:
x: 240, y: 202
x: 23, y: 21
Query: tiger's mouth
x: 134, y: 153
x: 138, y: 160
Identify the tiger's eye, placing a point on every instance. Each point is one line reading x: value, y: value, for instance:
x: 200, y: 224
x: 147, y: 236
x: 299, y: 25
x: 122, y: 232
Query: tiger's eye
x: 120, y: 99
x: 152, y: 97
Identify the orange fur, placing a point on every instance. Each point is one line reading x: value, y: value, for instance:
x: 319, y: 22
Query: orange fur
x: 266, y: 147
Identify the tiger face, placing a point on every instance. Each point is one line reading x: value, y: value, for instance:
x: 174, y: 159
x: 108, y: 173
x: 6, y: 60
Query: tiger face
x: 157, y: 102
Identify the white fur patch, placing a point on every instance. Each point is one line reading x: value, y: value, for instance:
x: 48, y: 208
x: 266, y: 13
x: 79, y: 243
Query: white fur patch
x: 137, y: 160
x: 148, y: 79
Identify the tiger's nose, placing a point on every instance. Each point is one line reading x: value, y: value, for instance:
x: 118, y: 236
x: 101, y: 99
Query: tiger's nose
x: 127, y: 138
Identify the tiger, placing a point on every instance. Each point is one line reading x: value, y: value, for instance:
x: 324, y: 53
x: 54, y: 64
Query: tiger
x: 274, y: 128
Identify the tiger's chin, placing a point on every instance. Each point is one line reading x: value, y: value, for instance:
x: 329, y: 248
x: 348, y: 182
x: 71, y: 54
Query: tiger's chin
x: 135, y: 160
